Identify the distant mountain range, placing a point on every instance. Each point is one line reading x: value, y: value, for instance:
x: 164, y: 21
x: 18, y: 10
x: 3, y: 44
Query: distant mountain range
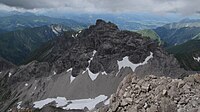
x: 183, y: 23
x: 129, y: 21
x: 179, y: 32
x: 18, y: 22
x: 15, y: 46
x: 177, y: 36
x: 180, y: 39
x: 28, y: 31
x: 22, y: 33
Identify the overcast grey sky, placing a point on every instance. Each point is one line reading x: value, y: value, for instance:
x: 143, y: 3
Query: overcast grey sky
x: 157, y: 6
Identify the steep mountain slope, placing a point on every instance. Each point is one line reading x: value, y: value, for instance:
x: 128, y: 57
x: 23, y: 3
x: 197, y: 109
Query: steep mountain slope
x: 5, y: 65
x: 150, y: 33
x: 187, y: 54
x: 15, y: 46
x: 82, y: 70
x: 183, y: 23
x: 179, y: 32
x: 48, y: 52
x: 18, y: 22
x: 182, y: 40
x: 177, y: 36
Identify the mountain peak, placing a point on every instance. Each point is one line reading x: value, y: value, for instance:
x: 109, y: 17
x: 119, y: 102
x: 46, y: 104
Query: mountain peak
x: 90, y: 64
x: 103, y: 25
x: 100, y: 21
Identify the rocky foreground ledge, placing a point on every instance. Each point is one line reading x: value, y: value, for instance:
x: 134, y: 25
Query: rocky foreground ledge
x: 156, y: 94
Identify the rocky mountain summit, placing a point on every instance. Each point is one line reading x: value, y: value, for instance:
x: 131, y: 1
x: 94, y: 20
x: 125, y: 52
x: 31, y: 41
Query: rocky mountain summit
x: 156, y: 94
x: 83, y: 69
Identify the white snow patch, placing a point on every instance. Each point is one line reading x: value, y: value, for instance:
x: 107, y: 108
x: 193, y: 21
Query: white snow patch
x: 42, y: 103
x: 54, y: 73
x: 126, y: 63
x: 73, y: 104
x: 107, y: 101
x: 79, y: 31
x: 69, y: 70
x: 72, y: 79
x: 58, y: 28
x: 19, y: 105
x: 54, y: 30
x: 76, y: 35
x: 94, y: 52
x: 186, y: 25
x: 92, y: 75
x: 197, y: 59
x: 64, y: 29
x: 9, y: 75
x: 10, y: 110
x: 104, y: 73
x: 72, y: 35
x: 26, y: 84
x: 20, y: 24
x: 35, y: 88
x: 89, y: 103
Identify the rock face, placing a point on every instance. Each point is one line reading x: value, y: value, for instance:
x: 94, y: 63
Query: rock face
x: 85, y: 65
x: 111, y: 45
x: 156, y: 94
x: 5, y: 65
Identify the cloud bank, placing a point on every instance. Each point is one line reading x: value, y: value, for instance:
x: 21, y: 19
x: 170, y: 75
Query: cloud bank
x: 157, y: 6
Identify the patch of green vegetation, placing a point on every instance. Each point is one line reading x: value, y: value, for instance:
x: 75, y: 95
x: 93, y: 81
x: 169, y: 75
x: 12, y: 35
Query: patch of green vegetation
x: 150, y: 33
x: 184, y: 53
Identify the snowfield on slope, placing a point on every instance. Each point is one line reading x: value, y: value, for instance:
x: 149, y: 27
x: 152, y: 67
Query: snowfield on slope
x: 197, y: 59
x: 121, y: 64
x: 126, y: 63
x: 71, y: 104
x: 92, y: 75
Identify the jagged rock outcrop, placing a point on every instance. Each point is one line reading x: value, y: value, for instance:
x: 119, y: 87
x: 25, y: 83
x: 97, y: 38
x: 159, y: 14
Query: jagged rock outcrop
x: 156, y: 94
x: 111, y: 45
x: 85, y: 65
